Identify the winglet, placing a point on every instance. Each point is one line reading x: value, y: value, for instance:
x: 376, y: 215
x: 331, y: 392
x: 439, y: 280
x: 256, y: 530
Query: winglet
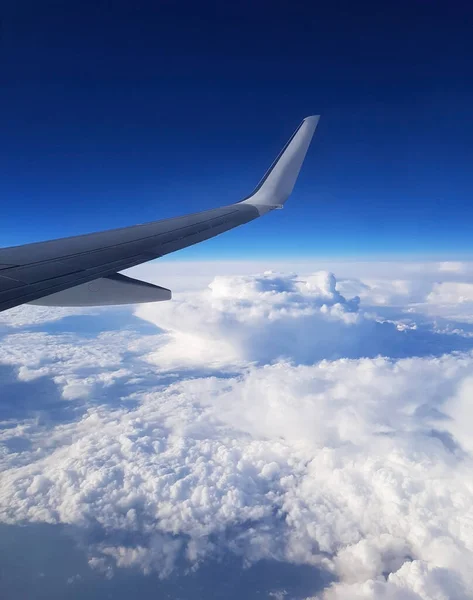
x: 279, y: 180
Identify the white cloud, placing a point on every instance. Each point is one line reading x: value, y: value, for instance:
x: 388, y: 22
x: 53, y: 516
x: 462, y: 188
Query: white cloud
x: 335, y: 459
x: 360, y: 466
x: 76, y: 364
x: 21, y: 316
x: 451, y: 293
x: 303, y: 318
x: 249, y: 318
x: 416, y: 580
x: 453, y: 267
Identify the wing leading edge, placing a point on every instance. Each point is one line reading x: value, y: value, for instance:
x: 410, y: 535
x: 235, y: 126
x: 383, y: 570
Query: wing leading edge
x: 59, y: 272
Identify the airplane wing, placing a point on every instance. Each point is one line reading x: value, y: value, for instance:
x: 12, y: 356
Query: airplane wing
x: 83, y: 270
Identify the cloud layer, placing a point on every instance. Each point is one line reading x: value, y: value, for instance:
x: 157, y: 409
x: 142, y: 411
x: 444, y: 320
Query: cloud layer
x: 304, y: 319
x: 239, y: 426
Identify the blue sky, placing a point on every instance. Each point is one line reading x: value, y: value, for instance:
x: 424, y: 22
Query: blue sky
x: 114, y: 114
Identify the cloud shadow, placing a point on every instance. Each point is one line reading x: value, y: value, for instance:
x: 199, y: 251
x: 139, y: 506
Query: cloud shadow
x: 42, y: 561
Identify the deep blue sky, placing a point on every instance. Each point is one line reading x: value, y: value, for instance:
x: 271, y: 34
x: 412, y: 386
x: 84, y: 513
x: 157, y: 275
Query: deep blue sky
x: 114, y: 113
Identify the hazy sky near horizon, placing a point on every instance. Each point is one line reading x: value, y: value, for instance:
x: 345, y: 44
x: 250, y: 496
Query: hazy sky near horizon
x: 117, y: 113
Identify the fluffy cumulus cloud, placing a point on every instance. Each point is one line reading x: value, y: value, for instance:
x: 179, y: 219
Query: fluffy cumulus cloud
x: 250, y: 318
x: 36, y: 315
x: 307, y: 318
x: 276, y: 417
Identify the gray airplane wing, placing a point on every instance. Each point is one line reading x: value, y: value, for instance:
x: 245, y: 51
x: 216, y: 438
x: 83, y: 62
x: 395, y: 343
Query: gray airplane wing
x: 83, y: 270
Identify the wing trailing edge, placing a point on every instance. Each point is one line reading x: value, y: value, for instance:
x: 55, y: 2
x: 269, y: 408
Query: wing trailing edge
x: 105, y: 291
